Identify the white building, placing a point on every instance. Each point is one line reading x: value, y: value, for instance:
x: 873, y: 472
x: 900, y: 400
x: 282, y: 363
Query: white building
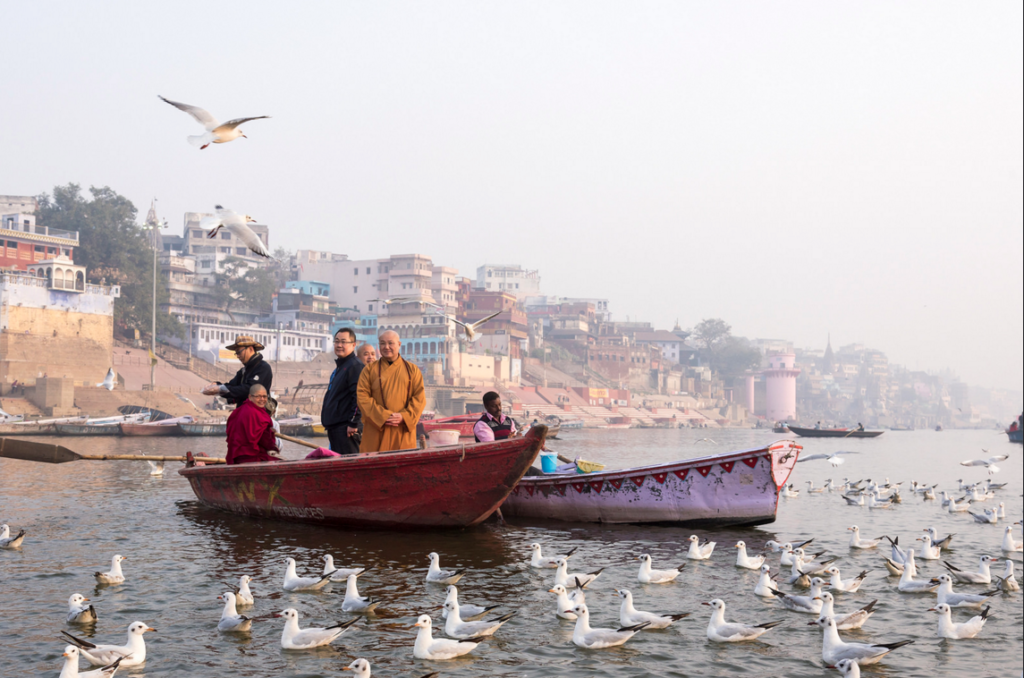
x: 209, y: 342
x: 513, y: 279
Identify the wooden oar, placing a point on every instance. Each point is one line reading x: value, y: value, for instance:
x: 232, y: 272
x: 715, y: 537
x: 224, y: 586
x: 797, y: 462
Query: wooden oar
x: 27, y: 450
x: 297, y: 441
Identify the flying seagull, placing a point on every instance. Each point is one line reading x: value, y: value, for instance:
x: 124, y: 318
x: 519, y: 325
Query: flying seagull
x: 395, y: 300
x: 237, y: 224
x: 833, y: 458
x: 109, y: 381
x: 989, y: 463
x: 470, y: 329
x: 216, y: 133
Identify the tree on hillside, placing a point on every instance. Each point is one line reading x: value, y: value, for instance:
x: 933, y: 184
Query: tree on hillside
x: 113, y: 248
x: 241, y: 284
x: 735, y: 356
x: 711, y: 332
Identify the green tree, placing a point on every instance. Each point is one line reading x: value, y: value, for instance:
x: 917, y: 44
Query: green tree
x: 240, y: 284
x: 114, y: 249
x: 735, y: 356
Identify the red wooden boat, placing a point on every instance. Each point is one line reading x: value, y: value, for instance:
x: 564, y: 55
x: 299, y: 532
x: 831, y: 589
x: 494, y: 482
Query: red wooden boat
x: 736, y: 488
x: 454, y: 486
x: 462, y: 423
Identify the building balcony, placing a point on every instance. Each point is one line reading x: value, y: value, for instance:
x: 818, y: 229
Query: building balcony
x: 54, y: 236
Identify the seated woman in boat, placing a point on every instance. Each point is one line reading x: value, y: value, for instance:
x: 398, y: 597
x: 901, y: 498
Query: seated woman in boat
x: 250, y: 430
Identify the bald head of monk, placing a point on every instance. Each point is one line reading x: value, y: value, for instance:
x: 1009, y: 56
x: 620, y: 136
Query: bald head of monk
x: 258, y: 394
x: 390, y: 345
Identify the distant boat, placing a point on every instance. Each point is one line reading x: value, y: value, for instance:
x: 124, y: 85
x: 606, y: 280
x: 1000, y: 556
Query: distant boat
x: 938, y: 427
x: 163, y: 428
x: 88, y: 429
x: 834, y: 432
x: 1015, y: 436
x: 218, y: 429
x: 901, y: 428
x: 780, y: 428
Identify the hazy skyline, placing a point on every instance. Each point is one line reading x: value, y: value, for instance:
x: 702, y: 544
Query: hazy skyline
x: 796, y: 169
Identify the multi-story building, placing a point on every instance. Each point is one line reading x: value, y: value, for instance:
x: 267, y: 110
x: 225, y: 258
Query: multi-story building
x: 303, y: 305
x: 513, y: 279
x: 209, y: 342
x: 673, y: 348
x: 23, y: 242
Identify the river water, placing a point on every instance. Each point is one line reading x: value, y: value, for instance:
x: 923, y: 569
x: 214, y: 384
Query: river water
x: 179, y: 554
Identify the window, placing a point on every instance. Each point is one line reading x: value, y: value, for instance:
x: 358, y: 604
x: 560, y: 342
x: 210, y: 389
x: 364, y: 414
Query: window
x: 225, y: 235
x: 371, y: 308
x: 355, y: 271
x: 367, y: 270
x: 225, y: 250
x: 241, y: 251
x: 197, y: 234
x: 205, y: 263
x: 355, y: 290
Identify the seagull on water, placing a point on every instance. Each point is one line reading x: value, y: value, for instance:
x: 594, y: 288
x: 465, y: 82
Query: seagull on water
x: 745, y: 561
x: 989, y: 464
x: 238, y: 225
x: 630, y: 616
x: 467, y: 611
x: 987, y: 517
x: 1010, y: 544
x: 857, y: 543
x: 982, y: 576
x: 597, y: 639
x: 341, y: 573
x: 79, y: 612
x: 230, y: 620
x: 455, y: 627
x: 565, y: 603
x: 941, y: 543
x: 835, y: 458
x: 849, y: 668
x: 9, y: 542
x: 566, y: 578
x: 953, y: 631
x: 216, y: 133
x: 132, y: 653
x: 293, y: 582
x: 243, y: 596
x: 542, y: 562
x: 70, y: 669
x: 156, y: 468
x: 426, y: 647
x: 836, y: 582
x: 355, y: 602
x: 110, y: 381
x: 798, y: 556
x: 294, y: 638
x: 435, y: 575
x: 721, y: 631
x: 929, y: 551
x: 649, y: 576
x: 834, y: 649
x: 809, y: 604
x: 907, y: 582
x: 765, y: 584
x: 854, y: 620
x: 700, y: 550
x: 1008, y: 582
x: 114, y: 576
x: 946, y: 596
x: 811, y: 489
x: 776, y: 547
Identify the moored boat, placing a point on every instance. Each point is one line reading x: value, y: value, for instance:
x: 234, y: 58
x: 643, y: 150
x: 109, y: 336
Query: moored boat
x: 454, y: 486
x: 29, y: 429
x: 462, y: 423
x: 87, y: 429
x: 298, y: 430
x: 1015, y: 436
x: 833, y: 432
x: 736, y: 488
x: 209, y: 429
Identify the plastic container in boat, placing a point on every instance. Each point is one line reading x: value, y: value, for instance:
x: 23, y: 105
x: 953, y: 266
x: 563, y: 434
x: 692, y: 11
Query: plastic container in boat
x: 548, y: 463
x: 443, y: 438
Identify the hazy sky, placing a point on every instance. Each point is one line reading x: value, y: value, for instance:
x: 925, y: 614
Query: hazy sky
x: 794, y: 168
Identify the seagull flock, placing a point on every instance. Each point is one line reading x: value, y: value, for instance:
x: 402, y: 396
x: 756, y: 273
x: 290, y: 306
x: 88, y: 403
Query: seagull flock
x: 959, y: 597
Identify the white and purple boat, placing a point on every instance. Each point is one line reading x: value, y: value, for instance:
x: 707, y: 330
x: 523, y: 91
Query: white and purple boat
x: 736, y: 488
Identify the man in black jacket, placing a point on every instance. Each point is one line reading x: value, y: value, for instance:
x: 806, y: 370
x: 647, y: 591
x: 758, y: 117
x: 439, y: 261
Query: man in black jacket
x: 254, y: 370
x: 340, y: 413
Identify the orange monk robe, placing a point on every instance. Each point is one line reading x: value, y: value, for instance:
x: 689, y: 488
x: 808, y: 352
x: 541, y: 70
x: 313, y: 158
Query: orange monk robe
x: 384, y: 389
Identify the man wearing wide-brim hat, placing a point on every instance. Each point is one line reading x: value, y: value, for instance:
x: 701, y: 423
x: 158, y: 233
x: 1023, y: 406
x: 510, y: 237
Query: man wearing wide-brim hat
x: 254, y: 370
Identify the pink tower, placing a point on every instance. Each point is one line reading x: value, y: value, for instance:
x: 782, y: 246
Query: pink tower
x: 780, y: 387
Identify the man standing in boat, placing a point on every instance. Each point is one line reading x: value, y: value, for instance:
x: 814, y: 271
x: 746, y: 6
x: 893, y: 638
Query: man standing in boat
x: 250, y: 430
x: 391, y: 398
x: 254, y: 370
x: 340, y: 414
x: 493, y: 425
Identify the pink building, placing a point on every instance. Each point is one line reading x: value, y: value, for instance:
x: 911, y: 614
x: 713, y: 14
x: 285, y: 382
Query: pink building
x: 780, y: 387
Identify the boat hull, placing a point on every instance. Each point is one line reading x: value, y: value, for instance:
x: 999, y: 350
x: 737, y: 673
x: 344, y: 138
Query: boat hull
x: 150, y: 430
x: 1015, y: 436
x: 82, y: 430
x: 27, y: 429
x: 463, y: 424
x: 203, y: 429
x: 738, y: 488
x: 455, y: 486
x: 833, y: 433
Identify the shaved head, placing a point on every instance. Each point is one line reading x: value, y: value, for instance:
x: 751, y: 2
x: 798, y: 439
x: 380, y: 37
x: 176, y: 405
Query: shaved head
x: 390, y: 344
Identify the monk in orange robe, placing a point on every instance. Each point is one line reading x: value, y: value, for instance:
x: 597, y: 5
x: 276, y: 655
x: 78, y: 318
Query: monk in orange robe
x: 391, y: 398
